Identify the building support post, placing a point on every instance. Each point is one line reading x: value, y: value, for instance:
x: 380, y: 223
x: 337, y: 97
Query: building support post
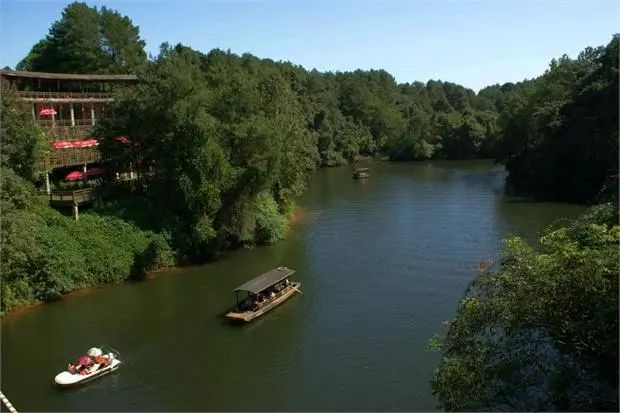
x: 47, y: 183
x: 72, y: 114
x: 92, y: 114
x: 34, y: 111
x: 75, y: 212
x: 84, y: 168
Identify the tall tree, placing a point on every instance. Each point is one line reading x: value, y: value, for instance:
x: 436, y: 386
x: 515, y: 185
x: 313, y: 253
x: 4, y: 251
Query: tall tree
x: 86, y: 40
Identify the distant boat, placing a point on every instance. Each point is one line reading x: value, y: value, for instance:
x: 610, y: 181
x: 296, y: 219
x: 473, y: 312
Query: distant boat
x: 263, y: 293
x: 360, y: 173
x: 90, y: 367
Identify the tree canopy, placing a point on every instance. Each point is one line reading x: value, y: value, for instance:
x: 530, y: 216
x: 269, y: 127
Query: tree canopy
x: 88, y: 40
x: 560, y: 131
x: 540, y: 332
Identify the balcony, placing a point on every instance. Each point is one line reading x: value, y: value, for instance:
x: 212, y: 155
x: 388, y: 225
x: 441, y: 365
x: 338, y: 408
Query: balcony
x: 58, y: 158
x: 31, y: 96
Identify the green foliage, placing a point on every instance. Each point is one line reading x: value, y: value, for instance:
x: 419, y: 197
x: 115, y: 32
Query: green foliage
x: 46, y: 254
x: 23, y: 143
x: 540, y: 332
x: 87, y: 40
x: 221, y: 154
x: 560, y: 131
x: 270, y: 223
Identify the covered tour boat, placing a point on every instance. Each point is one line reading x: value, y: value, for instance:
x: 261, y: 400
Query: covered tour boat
x: 360, y: 173
x: 263, y: 293
x: 98, y: 362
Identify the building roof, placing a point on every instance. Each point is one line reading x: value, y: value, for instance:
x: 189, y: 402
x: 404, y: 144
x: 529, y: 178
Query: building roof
x: 266, y: 280
x: 67, y: 76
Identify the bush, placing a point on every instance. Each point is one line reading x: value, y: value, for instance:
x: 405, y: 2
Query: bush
x: 46, y: 254
x: 270, y: 223
x: 157, y: 255
x: 541, y: 332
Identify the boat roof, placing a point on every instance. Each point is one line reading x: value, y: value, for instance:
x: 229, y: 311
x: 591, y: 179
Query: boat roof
x: 266, y: 280
x: 361, y: 169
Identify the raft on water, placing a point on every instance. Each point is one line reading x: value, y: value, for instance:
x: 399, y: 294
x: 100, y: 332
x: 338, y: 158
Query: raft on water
x: 263, y: 293
x: 360, y: 173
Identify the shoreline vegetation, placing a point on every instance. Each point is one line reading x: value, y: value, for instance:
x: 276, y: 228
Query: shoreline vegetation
x: 225, y: 143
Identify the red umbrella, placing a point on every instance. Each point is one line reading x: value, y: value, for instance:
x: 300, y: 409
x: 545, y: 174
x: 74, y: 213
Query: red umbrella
x: 83, y: 361
x: 123, y: 140
x: 75, y: 176
x: 86, y: 143
x: 47, y: 111
x: 62, y: 144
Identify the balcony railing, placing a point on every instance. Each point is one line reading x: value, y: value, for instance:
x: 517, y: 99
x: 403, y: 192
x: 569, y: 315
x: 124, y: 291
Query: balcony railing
x: 27, y: 94
x: 71, y: 156
x: 49, y: 123
x: 76, y: 197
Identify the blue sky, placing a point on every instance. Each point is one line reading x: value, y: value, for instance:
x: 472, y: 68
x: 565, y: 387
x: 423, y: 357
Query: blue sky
x: 474, y: 43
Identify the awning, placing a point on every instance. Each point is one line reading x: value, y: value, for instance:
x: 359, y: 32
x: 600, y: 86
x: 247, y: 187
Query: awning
x: 266, y: 280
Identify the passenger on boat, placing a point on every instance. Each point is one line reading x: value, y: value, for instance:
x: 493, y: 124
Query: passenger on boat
x: 246, y: 304
x: 103, y: 361
x: 71, y: 368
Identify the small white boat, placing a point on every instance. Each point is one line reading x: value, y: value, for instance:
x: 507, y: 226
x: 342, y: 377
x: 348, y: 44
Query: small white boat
x: 96, y: 370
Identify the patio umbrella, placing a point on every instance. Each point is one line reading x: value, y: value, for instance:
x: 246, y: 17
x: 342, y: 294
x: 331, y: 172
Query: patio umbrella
x: 74, y: 176
x: 62, y: 144
x: 86, y: 143
x: 47, y: 111
x: 123, y: 140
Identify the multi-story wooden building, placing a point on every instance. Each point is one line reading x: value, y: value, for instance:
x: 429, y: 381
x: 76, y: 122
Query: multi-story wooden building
x: 67, y: 107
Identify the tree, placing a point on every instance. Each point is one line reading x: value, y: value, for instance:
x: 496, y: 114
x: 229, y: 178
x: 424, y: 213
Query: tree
x: 540, y: 332
x: 560, y: 134
x: 86, y: 40
x: 23, y: 142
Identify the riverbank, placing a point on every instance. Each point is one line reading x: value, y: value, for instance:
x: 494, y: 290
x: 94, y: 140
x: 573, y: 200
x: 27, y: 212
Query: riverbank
x: 150, y: 258
x: 398, y: 247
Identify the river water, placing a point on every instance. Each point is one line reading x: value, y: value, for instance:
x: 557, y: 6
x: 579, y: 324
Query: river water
x: 382, y: 263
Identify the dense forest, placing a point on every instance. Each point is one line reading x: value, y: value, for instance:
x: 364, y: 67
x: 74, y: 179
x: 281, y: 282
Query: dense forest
x: 228, y: 141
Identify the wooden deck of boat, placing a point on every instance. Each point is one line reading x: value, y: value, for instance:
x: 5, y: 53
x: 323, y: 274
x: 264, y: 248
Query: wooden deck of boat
x: 279, y: 299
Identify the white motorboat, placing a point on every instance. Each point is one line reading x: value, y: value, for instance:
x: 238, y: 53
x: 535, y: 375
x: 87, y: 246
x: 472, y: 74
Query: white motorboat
x: 90, y: 367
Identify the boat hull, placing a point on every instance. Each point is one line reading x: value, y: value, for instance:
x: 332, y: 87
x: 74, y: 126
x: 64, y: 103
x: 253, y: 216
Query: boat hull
x: 66, y: 379
x: 247, y: 316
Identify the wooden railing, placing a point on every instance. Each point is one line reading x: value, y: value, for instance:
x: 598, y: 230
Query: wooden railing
x: 49, y: 123
x: 76, y: 197
x: 86, y: 195
x: 71, y: 156
x: 27, y: 94
x: 69, y: 133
